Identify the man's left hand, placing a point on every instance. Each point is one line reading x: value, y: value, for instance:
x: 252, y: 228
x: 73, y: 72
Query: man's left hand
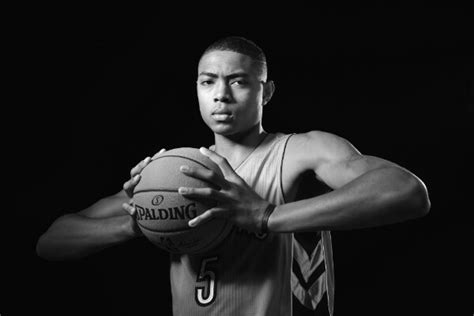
x: 236, y: 200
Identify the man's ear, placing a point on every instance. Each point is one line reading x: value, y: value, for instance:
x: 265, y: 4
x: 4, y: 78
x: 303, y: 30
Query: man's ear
x: 268, y: 90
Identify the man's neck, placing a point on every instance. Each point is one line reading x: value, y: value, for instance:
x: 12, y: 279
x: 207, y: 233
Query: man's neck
x: 237, y: 148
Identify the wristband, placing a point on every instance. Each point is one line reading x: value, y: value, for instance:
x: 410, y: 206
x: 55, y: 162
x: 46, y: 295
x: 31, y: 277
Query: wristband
x: 266, y: 215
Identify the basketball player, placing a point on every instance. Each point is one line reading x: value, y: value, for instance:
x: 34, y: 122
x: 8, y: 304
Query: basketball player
x: 250, y: 273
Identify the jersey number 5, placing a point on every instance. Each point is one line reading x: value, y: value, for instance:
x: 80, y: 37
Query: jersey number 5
x: 206, y: 294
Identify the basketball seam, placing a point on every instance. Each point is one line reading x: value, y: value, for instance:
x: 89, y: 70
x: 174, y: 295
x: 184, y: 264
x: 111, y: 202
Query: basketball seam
x: 196, y: 161
x: 224, y: 227
x: 161, y: 232
x: 156, y: 190
x: 176, y: 190
x: 204, y: 248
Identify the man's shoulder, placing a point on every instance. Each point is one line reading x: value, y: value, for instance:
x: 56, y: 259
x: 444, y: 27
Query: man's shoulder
x: 308, y: 148
x: 303, y: 154
x: 314, y: 140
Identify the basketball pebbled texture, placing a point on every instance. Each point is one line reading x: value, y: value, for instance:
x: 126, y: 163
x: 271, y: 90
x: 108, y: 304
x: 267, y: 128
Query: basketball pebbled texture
x: 163, y: 213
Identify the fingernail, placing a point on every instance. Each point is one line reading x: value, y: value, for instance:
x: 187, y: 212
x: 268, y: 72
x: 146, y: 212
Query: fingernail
x: 182, y: 190
x: 136, y: 178
x: 204, y: 150
x: 184, y: 168
x: 192, y: 222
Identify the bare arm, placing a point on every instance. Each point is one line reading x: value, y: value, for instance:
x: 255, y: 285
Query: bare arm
x: 73, y: 236
x: 368, y: 191
x: 106, y: 223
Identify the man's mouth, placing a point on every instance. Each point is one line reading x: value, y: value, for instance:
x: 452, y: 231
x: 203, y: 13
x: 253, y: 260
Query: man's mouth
x: 222, y: 116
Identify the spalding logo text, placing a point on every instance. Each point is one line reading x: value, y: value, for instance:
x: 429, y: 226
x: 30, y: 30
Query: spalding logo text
x: 172, y: 213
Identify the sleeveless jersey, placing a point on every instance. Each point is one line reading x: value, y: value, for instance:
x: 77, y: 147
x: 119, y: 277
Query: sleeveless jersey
x: 248, y: 274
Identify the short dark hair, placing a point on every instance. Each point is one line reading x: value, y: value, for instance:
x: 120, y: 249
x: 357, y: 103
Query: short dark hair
x: 241, y: 45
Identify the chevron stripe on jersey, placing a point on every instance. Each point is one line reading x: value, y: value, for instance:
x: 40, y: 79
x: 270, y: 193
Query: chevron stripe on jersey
x: 312, y: 272
x: 308, y: 278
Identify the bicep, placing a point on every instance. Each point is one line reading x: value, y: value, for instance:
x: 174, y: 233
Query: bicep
x: 337, y: 173
x: 334, y: 160
x: 107, y: 207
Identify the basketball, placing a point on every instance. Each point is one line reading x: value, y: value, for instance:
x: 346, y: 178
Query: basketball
x: 163, y: 214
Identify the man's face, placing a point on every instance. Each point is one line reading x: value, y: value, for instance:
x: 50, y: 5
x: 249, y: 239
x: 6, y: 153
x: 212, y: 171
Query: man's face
x: 229, y: 91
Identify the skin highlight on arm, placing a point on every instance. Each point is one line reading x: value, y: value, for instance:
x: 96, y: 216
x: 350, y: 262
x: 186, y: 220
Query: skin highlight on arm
x: 367, y: 191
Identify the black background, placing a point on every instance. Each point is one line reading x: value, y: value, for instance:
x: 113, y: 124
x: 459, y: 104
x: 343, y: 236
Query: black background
x: 95, y: 90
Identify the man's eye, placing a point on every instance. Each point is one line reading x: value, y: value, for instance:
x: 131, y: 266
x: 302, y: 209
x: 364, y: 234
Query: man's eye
x: 239, y: 83
x: 206, y: 82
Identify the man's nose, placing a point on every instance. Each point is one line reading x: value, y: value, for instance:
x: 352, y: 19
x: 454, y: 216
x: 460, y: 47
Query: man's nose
x: 222, y: 93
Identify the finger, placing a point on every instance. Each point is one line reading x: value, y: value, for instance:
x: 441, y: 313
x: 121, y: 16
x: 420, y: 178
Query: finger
x: 158, y: 153
x: 203, y: 193
x: 219, y: 160
x: 203, y: 218
x: 130, y: 184
x: 139, y: 167
x: 129, y: 208
x: 204, y: 174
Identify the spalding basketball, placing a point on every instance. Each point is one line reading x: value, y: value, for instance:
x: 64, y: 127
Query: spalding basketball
x: 163, y: 214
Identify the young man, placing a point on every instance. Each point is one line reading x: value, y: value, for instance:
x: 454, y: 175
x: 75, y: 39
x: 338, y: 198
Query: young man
x: 251, y: 272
